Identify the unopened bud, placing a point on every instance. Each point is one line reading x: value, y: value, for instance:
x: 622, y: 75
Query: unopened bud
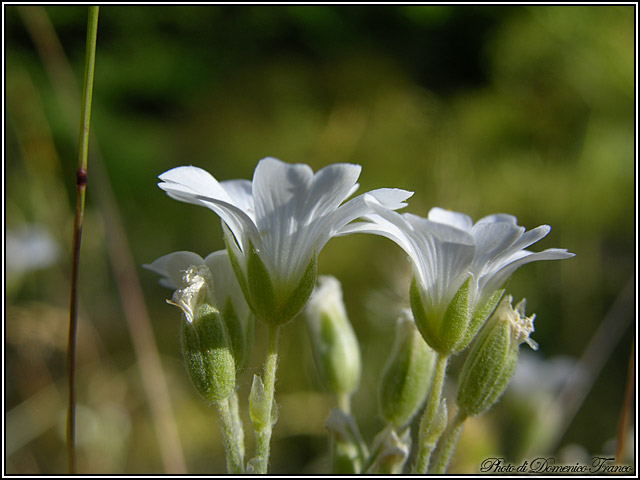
x: 334, y: 344
x: 207, y: 354
x: 206, y: 347
x: 348, y: 451
x: 492, y: 359
x: 390, y: 451
x: 407, y: 376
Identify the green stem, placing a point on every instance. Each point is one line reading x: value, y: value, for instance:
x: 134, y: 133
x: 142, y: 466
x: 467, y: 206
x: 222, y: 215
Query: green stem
x: 263, y: 434
x: 427, y: 438
x: 233, y: 446
x: 448, y: 443
x: 81, y: 186
x: 344, y: 402
x: 237, y: 422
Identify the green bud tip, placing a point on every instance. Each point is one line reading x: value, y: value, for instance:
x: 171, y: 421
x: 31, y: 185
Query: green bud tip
x: 334, y: 343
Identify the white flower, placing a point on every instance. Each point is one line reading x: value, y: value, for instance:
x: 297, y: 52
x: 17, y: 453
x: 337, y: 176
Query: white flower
x: 210, y: 280
x: 276, y: 225
x: 500, y: 247
x: 221, y: 284
x: 459, y: 266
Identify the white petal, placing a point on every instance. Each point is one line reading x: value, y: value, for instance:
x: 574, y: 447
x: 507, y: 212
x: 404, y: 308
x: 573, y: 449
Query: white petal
x: 455, y: 219
x: 192, y: 181
x: 331, y: 186
x: 278, y: 190
x: 173, y: 266
x: 492, y: 240
x: 446, y: 253
x: 197, y: 186
x: 444, y: 232
x: 240, y: 192
x: 294, y: 208
x: 532, y: 236
x: 498, y: 217
x: 279, y: 194
x: 225, y: 284
x: 382, y: 199
x: 382, y: 228
x: 495, y: 280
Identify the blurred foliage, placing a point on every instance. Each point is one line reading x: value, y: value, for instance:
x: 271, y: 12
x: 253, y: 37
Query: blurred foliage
x: 527, y: 110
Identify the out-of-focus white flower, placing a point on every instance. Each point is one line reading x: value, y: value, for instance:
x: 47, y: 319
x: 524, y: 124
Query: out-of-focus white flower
x: 276, y: 225
x: 459, y: 267
x: 29, y: 247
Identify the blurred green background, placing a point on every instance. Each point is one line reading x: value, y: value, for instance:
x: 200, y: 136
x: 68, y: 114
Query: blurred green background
x: 527, y: 110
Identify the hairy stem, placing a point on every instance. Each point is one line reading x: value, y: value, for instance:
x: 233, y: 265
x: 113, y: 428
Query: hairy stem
x: 232, y: 439
x: 263, y: 434
x: 427, y: 442
x: 447, y: 444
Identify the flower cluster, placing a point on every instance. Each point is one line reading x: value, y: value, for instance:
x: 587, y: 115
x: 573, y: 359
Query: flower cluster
x: 274, y: 229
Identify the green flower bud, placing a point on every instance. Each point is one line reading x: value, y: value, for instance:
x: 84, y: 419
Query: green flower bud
x: 207, y: 354
x: 491, y: 361
x: 260, y: 411
x: 390, y: 451
x: 333, y: 341
x: 407, y: 376
x: 348, y: 450
x: 206, y: 347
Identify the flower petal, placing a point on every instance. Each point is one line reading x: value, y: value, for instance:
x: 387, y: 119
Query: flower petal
x: 498, y: 218
x: 240, y: 193
x: 192, y: 182
x: 172, y: 267
x: 492, y: 239
x: 195, y: 185
x: 381, y: 199
x: 449, y: 217
x: 225, y: 284
x: 445, y: 254
x: 495, y: 280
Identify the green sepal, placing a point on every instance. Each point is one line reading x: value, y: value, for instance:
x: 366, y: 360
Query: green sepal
x: 294, y: 302
x: 207, y: 353
x: 438, y: 424
x: 263, y: 299
x: 487, y: 370
x: 479, y: 318
x: 277, y: 306
x: 240, y: 335
x: 260, y: 411
x: 444, y: 332
x: 426, y: 328
x: 407, y: 376
x: 456, y: 320
x: 232, y: 248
